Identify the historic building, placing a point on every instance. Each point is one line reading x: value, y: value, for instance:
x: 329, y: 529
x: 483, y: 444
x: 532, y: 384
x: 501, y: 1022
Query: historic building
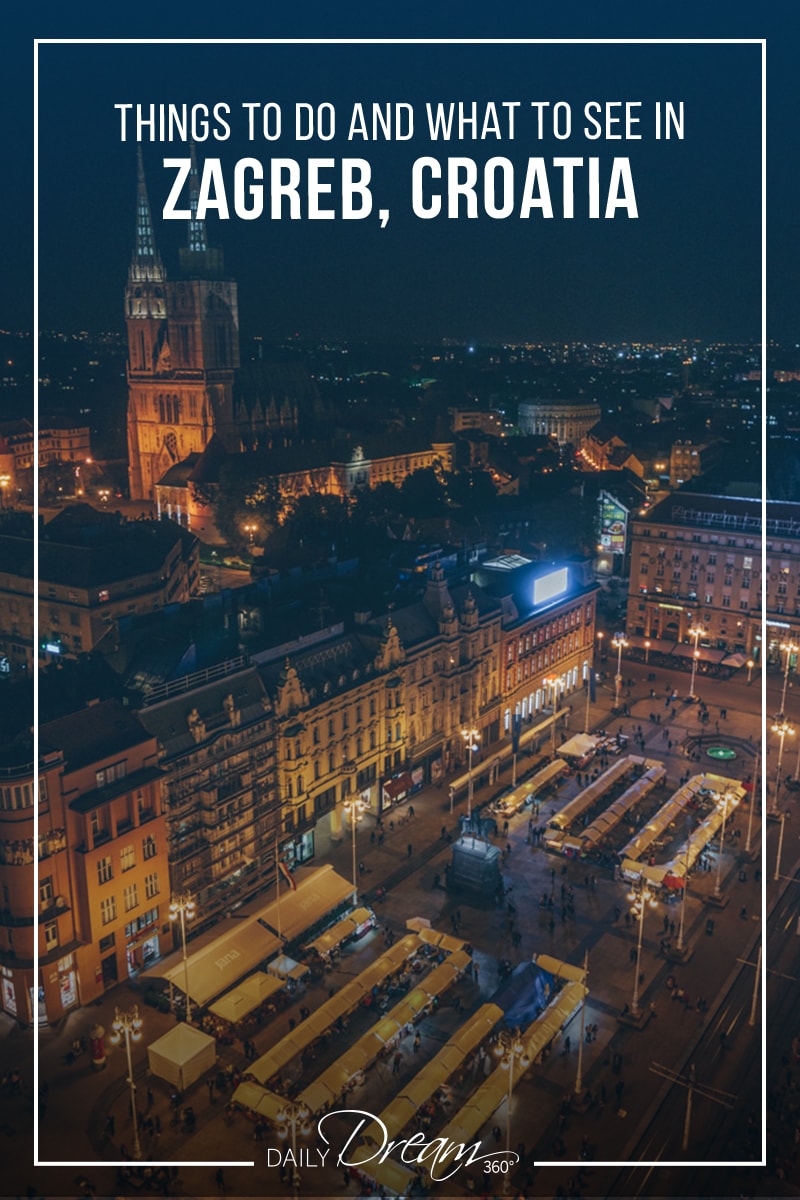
x: 696, y: 563
x: 94, y: 567
x: 221, y: 800
x: 27, y: 919
x: 568, y: 421
x: 547, y: 638
x: 100, y: 909
x: 183, y: 349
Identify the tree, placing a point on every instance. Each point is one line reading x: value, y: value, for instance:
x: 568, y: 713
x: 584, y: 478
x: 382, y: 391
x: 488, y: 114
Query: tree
x: 422, y: 494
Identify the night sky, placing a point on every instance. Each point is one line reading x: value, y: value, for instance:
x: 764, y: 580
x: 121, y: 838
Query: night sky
x: 688, y: 267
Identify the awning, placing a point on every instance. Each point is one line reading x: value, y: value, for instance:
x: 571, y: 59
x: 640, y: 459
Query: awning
x: 218, y: 966
x: 578, y: 746
x: 562, y: 970
x: 399, y: 786
x: 340, y: 931
x: 655, y: 645
x: 442, y: 940
x: 734, y: 660
x: 588, y: 795
x: 704, y: 653
x: 236, y: 1004
x: 317, y: 894
x: 284, y: 967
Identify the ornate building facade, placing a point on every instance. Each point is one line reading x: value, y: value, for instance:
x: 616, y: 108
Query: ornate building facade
x: 183, y: 350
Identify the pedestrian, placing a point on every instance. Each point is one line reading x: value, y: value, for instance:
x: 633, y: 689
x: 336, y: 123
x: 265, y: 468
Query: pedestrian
x: 210, y: 1086
x: 410, y: 849
x: 150, y: 1099
x: 444, y: 833
x: 396, y: 1061
x: 220, y: 1179
x: 110, y: 1125
x: 743, y: 912
x: 497, y: 1133
x: 411, y: 810
x: 417, y: 1040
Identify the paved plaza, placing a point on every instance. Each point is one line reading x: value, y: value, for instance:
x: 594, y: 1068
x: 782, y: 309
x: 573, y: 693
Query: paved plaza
x: 77, y: 1101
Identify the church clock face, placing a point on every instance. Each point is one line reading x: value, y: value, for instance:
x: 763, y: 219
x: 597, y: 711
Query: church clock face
x: 171, y: 443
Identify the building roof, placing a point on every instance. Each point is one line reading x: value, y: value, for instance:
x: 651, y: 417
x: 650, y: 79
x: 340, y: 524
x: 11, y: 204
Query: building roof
x: 92, y: 734
x: 169, y: 719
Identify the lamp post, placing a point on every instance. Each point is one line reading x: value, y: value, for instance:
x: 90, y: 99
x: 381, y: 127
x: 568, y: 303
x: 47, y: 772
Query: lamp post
x: 619, y: 643
x: 780, y: 850
x: 782, y: 728
x: 289, y: 1116
x: 724, y: 805
x: 104, y: 494
x: 790, y: 648
x: 512, y: 1050
x: 355, y: 809
x: 750, y: 665
x: 550, y: 684
x: 579, y: 1074
x: 753, y: 794
x: 679, y: 946
x: 128, y: 1024
x: 250, y: 529
x: 695, y: 632
x: 639, y: 900
x: 182, y: 905
x: 647, y: 651
x: 5, y: 483
x: 472, y: 737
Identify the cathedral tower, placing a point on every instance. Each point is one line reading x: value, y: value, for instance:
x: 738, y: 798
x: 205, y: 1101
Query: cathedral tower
x: 183, y: 349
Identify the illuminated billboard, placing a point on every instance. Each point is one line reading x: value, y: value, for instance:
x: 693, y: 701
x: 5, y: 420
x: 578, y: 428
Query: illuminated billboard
x: 551, y: 585
x: 613, y: 524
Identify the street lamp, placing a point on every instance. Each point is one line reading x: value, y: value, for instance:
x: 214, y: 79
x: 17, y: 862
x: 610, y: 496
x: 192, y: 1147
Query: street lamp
x: 750, y: 665
x: 251, y: 529
x: 182, y: 905
x: 129, y: 1024
x: 641, y: 899
x: 726, y: 797
x: 619, y: 643
x: 104, y: 494
x: 781, y: 727
x: 780, y: 850
x: 695, y: 632
x: 5, y: 483
x: 354, y: 809
x: 790, y: 648
x: 679, y: 946
x: 288, y: 1116
x: 472, y: 737
x: 512, y: 1050
x: 647, y: 651
x: 579, y: 1073
x: 550, y: 685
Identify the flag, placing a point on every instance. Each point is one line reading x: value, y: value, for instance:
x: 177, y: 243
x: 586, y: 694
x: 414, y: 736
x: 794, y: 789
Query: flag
x: 592, y: 691
x: 287, y: 875
x: 516, y: 726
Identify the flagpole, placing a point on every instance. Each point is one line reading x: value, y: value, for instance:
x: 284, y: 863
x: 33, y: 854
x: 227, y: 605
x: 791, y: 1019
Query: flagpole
x: 278, y: 888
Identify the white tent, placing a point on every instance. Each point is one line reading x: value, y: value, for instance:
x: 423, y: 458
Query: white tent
x: 182, y: 1055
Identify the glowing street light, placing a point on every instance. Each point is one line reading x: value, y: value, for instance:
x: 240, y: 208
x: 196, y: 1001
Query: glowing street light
x: 695, y: 632
x: 289, y: 1116
x: 782, y: 728
x: 619, y: 643
x: 354, y: 809
x: 5, y: 484
x: 790, y: 648
x: 641, y: 899
x: 472, y: 737
x: 750, y: 665
x: 251, y: 529
x: 512, y: 1051
x: 128, y: 1024
x: 647, y: 645
x: 727, y: 803
x: 182, y: 905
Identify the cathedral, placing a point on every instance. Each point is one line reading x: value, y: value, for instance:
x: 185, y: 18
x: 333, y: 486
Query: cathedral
x: 183, y: 356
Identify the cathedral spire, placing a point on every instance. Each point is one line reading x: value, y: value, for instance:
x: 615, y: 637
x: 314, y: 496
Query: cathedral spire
x: 197, y: 229
x: 146, y: 262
